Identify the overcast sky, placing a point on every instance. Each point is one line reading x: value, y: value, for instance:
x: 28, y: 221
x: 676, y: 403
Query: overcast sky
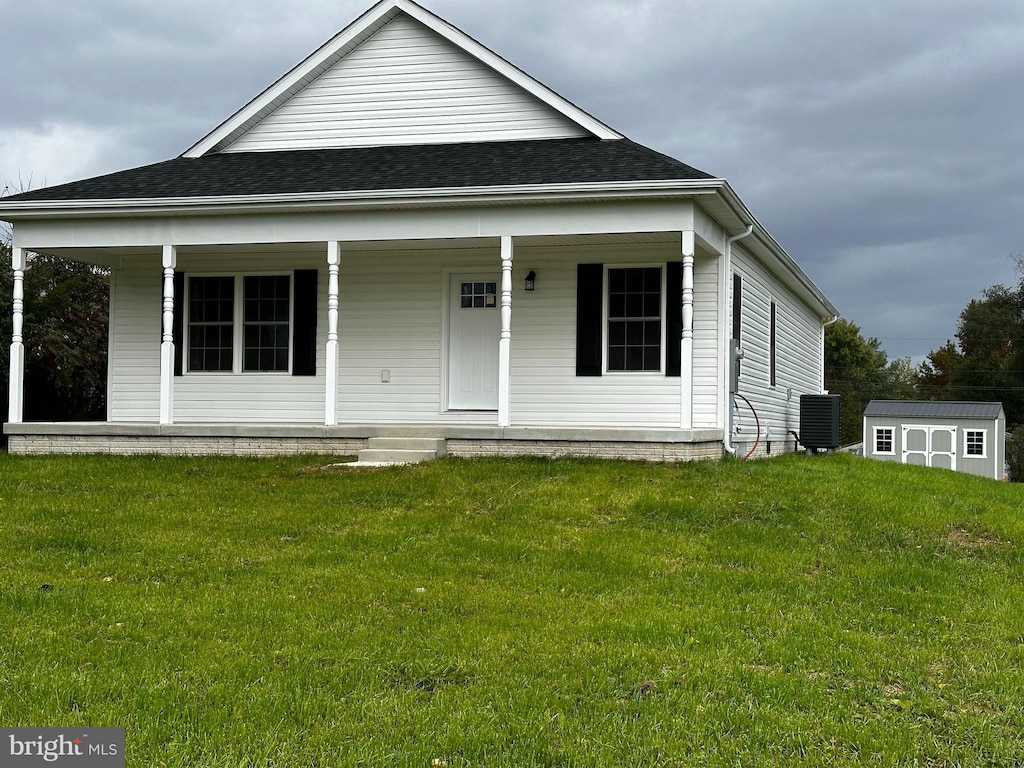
x: 881, y: 142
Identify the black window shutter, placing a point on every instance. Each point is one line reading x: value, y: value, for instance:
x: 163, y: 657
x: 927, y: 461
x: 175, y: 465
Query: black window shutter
x: 673, y: 317
x: 737, y: 306
x: 304, y: 325
x: 179, y: 321
x: 589, y: 303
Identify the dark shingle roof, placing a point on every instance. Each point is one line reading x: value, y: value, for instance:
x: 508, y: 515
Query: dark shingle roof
x: 934, y: 409
x: 480, y: 164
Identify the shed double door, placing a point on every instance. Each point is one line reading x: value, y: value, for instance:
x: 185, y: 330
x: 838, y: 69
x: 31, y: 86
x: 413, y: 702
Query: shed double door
x: 929, y: 446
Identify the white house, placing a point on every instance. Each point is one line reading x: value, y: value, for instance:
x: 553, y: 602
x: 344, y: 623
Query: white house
x: 406, y: 235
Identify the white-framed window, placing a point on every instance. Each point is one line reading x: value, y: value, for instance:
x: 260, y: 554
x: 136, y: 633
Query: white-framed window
x: 635, y: 319
x: 238, y: 323
x: 884, y: 441
x: 975, y: 443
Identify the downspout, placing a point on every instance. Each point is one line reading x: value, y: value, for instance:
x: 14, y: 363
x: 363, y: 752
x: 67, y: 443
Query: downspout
x: 823, y: 326
x: 725, y: 346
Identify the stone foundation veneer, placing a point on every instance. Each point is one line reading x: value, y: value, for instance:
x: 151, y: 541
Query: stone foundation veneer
x: 660, y: 452
x: 348, y: 440
x: 181, y: 446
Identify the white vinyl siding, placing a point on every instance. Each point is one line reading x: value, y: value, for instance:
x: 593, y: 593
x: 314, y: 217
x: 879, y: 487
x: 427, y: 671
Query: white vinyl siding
x: 797, y: 354
x: 392, y: 318
x: 545, y: 388
x: 705, y: 342
x: 134, y: 361
x: 254, y: 397
x: 405, y: 85
x: 205, y: 397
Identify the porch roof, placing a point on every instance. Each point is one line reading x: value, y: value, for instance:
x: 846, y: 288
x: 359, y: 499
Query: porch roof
x: 428, y: 166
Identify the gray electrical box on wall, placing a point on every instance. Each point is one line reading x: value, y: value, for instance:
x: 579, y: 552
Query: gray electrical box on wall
x: 819, y: 421
x: 735, y: 356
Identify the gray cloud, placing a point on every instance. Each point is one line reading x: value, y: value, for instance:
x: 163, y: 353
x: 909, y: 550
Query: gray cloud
x: 879, y: 142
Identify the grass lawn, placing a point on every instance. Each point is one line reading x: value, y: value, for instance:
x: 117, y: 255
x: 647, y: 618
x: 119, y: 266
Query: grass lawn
x: 790, y: 611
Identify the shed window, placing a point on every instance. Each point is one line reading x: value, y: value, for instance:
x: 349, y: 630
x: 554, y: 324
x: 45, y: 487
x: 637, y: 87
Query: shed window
x: 884, y: 440
x: 974, y: 443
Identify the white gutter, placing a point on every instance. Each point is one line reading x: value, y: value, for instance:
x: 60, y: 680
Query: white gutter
x: 724, y: 323
x: 359, y: 198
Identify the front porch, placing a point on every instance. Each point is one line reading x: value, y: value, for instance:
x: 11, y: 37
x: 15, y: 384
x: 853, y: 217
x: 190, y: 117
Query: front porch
x: 232, y: 439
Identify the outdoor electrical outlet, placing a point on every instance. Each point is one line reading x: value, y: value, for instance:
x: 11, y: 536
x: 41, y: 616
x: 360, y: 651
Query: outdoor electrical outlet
x: 385, y: 375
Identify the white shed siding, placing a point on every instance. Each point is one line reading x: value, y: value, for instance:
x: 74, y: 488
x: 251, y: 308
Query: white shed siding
x: 798, y: 353
x: 405, y: 85
x: 134, y: 361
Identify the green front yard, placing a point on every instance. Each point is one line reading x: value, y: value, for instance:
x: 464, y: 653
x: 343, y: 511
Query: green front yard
x: 791, y: 611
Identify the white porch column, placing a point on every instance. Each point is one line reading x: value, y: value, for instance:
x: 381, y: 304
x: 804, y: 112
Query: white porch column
x: 331, y: 390
x: 170, y: 261
x: 686, y: 350
x: 505, y: 343
x: 16, y: 383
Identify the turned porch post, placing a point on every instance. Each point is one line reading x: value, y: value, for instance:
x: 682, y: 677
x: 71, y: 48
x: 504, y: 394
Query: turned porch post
x: 686, y: 342
x: 331, y: 390
x: 505, y: 342
x: 169, y: 261
x: 16, y: 383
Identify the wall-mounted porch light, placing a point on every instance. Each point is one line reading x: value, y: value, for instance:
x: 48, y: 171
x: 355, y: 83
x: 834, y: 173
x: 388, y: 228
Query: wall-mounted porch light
x: 531, y: 281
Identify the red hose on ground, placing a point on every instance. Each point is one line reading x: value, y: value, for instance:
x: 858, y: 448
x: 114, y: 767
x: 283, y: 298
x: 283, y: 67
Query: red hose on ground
x: 757, y: 421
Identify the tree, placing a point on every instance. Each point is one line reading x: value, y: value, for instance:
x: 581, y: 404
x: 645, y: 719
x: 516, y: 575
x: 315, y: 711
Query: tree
x: 65, y: 335
x: 987, y: 362
x: 859, y: 370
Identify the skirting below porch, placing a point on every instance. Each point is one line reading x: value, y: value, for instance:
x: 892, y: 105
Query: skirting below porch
x: 276, y: 439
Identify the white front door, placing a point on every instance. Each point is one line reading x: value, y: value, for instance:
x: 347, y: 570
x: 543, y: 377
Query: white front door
x: 474, y: 327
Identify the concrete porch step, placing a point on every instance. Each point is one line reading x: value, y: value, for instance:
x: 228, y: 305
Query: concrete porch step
x: 401, y: 450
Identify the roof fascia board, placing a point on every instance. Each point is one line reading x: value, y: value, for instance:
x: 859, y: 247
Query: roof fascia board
x: 58, y: 209
x: 777, y: 252
x: 363, y: 27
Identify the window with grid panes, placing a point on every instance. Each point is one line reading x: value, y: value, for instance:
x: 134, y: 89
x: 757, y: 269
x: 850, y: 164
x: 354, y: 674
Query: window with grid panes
x: 884, y: 440
x: 974, y: 442
x: 634, y: 319
x: 265, y: 322
x: 211, y: 321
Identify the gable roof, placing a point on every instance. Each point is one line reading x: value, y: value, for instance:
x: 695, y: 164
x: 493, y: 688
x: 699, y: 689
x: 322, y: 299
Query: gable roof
x: 592, y: 162
x: 935, y: 409
x: 427, y: 166
x: 385, y: 55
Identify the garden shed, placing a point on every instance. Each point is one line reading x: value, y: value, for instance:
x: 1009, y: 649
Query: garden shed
x: 958, y: 435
